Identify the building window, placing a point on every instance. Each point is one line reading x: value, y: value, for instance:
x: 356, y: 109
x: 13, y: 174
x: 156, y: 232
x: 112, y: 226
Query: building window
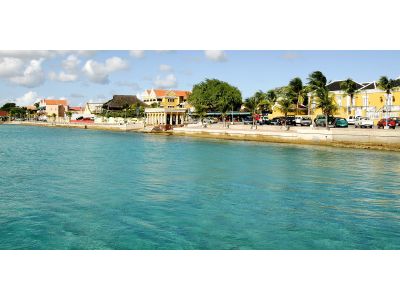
x: 365, y: 100
x: 339, y: 101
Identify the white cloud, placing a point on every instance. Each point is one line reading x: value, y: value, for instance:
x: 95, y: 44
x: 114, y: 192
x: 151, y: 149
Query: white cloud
x: 28, y: 54
x: 62, y: 76
x: 290, y: 55
x: 137, y: 53
x: 168, y: 81
x: 36, y: 54
x: 32, y: 76
x: 10, y: 66
x: 70, y: 71
x: 27, y: 99
x: 165, y: 68
x: 215, y: 55
x: 98, y: 72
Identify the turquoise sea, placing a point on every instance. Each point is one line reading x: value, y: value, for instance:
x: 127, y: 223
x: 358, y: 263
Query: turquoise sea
x: 81, y: 189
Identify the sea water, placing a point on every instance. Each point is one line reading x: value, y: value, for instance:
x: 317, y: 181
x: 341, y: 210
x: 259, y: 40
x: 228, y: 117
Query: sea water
x: 82, y: 189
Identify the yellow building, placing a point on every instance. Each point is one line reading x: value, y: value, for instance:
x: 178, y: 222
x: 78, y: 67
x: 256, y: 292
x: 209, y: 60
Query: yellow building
x: 166, y: 98
x: 368, y: 101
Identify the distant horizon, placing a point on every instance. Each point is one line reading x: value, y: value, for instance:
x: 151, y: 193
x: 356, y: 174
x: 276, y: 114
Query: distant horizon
x: 95, y: 76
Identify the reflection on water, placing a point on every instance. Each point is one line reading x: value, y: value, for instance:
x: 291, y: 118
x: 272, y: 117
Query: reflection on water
x: 76, y: 189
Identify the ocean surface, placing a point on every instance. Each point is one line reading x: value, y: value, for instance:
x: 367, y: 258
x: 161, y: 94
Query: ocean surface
x: 81, y: 189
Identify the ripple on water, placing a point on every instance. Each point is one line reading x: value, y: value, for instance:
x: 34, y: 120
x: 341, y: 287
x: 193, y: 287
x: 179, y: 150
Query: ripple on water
x: 76, y: 189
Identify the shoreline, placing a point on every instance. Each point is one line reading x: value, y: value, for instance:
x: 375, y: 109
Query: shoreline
x: 372, y: 139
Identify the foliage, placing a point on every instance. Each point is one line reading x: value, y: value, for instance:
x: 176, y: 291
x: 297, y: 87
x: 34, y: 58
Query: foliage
x: 8, y: 106
x: 271, y: 96
x: 17, y: 111
x: 215, y: 95
x: 386, y: 84
x: 349, y: 87
x: 326, y: 102
x: 316, y: 80
x: 298, y: 89
x: 286, y: 99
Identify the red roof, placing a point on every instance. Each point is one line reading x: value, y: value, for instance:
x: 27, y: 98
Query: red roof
x: 162, y: 93
x: 75, y: 108
x: 56, y: 102
x: 3, y: 113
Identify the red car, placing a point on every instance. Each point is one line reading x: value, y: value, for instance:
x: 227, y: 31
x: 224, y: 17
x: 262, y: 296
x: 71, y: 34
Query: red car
x: 391, y: 123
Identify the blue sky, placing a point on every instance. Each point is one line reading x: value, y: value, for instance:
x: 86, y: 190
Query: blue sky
x: 81, y: 76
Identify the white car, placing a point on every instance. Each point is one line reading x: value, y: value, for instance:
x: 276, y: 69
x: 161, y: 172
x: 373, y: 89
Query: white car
x: 352, y: 120
x: 363, y: 122
x: 298, y: 120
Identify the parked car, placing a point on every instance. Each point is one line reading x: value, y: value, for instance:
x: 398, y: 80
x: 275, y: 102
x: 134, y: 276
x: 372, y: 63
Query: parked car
x: 320, y: 120
x: 290, y: 121
x: 351, y: 120
x: 340, y: 123
x: 391, y: 123
x: 247, y: 120
x: 264, y: 120
x: 210, y: 120
x: 364, y: 122
x: 305, y: 121
x: 298, y: 120
x: 397, y: 120
x: 276, y: 121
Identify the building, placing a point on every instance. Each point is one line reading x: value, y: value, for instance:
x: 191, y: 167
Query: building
x: 93, y: 108
x: 3, y: 115
x: 368, y: 101
x: 165, y: 116
x: 166, y: 98
x: 76, y: 109
x: 120, y: 102
x: 49, y: 107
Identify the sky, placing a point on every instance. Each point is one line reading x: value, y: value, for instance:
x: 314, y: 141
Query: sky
x: 82, y: 76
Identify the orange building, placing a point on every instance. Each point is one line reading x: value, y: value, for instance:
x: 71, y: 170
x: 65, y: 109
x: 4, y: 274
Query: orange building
x: 166, y: 98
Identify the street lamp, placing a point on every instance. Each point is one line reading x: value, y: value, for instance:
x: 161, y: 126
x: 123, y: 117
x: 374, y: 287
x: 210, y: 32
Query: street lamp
x: 232, y: 115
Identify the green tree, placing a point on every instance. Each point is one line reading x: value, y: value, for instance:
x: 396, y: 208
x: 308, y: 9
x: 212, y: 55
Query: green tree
x: 286, y: 101
x: 8, y: 106
x: 299, y: 90
x: 69, y: 114
x: 316, y: 80
x: 326, y: 102
x: 253, y: 105
x: 215, y: 95
x: 387, y: 85
x: 349, y: 87
x: 271, y: 96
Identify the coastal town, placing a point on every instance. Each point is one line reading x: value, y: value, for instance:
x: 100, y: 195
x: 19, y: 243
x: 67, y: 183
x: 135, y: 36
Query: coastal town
x: 216, y: 107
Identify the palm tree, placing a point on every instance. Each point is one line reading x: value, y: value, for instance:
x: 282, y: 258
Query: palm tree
x: 257, y: 102
x: 253, y: 105
x: 271, y: 96
x: 69, y: 114
x: 286, y: 102
x: 297, y: 88
x: 349, y: 87
x: 326, y: 102
x: 387, y: 85
x: 316, y: 80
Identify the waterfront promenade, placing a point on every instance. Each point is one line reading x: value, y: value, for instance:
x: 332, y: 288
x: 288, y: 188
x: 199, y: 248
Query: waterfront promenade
x: 343, y: 137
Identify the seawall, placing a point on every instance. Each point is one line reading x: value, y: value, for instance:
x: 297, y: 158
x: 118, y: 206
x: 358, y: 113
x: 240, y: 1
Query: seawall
x: 353, y: 138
